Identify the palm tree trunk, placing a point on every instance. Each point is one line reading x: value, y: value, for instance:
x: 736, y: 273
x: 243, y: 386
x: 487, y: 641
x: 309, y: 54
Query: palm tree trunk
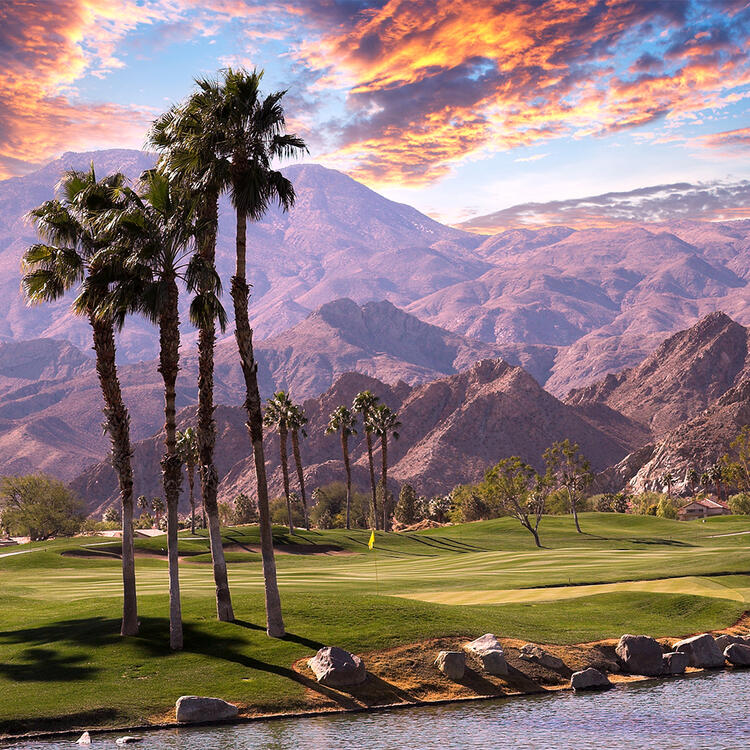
x: 118, y: 426
x: 300, y: 475
x: 169, y: 356
x: 348, y: 468
x: 207, y: 426
x: 285, y: 474
x: 244, y: 336
x: 384, y: 478
x: 574, y: 510
x: 191, y: 483
x: 368, y: 437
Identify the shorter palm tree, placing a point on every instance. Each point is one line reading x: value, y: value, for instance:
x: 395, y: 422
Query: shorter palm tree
x: 384, y: 422
x: 343, y: 421
x: 694, y: 479
x: 157, y: 504
x: 143, y: 503
x: 296, y: 422
x: 364, y: 402
x: 187, y: 448
x: 716, y: 475
x: 277, y: 416
x: 668, y: 479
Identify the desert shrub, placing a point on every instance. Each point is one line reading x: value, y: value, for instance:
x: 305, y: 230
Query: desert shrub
x: 603, y: 503
x: 739, y: 504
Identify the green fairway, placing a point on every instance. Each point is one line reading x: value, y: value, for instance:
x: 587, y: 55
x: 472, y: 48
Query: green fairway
x: 61, y: 659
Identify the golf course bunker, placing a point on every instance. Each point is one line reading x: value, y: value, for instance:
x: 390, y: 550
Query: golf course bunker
x: 693, y: 585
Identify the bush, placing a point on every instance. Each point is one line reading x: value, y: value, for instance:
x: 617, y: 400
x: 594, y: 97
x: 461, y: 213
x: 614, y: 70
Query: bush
x: 279, y: 515
x: 410, y: 508
x: 739, y: 504
x: 245, y: 510
x: 329, y: 507
x: 647, y: 503
x: 439, y: 508
x: 39, y: 507
x: 665, y: 508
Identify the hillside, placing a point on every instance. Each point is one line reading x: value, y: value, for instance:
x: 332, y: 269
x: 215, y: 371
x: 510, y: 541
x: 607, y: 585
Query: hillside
x: 453, y: 429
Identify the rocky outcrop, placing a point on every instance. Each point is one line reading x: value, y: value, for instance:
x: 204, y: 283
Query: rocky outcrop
x: 335, y: 667
x: 589, y: 679
x: 192, y: 709
x: 534, y: 653
x: 738, y: 654
x: 675, y: 662
x: 452, y: 664
x: 640, y: 654
x: 701, y: 651
x: 722, y: 641
x: 488, y: 651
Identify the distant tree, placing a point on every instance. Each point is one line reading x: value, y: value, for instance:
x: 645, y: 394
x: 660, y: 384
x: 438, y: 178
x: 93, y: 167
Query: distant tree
x: 39, y: 507
x: 693, y: 478
x: 244, y: 509
x: 187, y: 449
x: 620, y: 502
x: 737, y: 462
x: 297, y: 421
x: 716, y: 475
x: 329, y: 508
x: 384, y: 422
x: 706, y: 480
x: 519, y: 491
x: 277, y: 416
x: 667, y: 480
x: 666, y: 509
x: 439, y: 508
x: 568, y: 468
x: 739, y: 504
x: 343, y: 421
x: 363, y: 404
x: 111, y: 515
x: 407, y: 511
x: 157, y: 505
x: 143, y: 504
x: 226, y: 513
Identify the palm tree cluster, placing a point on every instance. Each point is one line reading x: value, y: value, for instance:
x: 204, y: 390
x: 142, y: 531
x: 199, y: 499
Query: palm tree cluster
x: 132, y: 251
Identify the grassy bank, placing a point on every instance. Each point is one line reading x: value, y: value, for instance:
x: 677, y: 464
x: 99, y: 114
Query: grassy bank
x: 62, y: 662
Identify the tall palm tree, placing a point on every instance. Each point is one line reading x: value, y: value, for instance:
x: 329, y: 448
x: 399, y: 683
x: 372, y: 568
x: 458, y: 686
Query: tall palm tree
x: 343, y: 421
x: 187, y: 447
x: 74, y: 253
x: 364, y: 402
x: 254, y: 133
x: 192, y: 154
x: 152, y: 232
x: 383, y: 422
x: 716, y: 475
x: 297, y: 421
x: 277, y: 415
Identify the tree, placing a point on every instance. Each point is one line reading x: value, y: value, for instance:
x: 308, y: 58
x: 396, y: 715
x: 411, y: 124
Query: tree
x: 739, y: 504
x: 668, y: 480
x: 569, y: 469
x: 39, y: 507
x: 329, y: 507
x: 439, y: 508
x: 363, y: 404
x: 143, y: 504
x: 74, y: 255
x: 297, y: 422
x: 244, y: 509
x: 383, y: 421
x: 277, y: 416
x: 716, y: 475
x: 343, y: 421
x: 157, y: 505
x: 693, y: 478
x: 191, y: 154
x: 111, y: 515
x: 407, y: 511
x: 187, y: 449
x: 737, y: 463
x: 518, y: 491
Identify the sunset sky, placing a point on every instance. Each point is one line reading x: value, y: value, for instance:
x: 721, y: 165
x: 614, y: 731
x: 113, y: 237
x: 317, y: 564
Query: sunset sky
x: 458, y: 107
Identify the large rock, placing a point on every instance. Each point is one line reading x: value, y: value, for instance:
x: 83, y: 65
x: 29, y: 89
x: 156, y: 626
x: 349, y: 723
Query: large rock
x: 452, y: 664
x: 84, y: 739
x: 640, y: 654
x: 722, y: 641
x: 589, y: 679
x: 738, y: 654
x: 193, y: 709
x: 335, y: 667
x: 532, y: 652
x: 489, y: 652
x: 675, y: 662
x: 702, y: 651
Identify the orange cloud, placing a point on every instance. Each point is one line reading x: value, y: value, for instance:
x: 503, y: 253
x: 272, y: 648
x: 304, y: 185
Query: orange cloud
x: 433, y: 83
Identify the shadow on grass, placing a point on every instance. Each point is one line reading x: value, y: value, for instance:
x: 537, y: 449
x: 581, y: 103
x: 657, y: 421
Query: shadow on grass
x: 95, y: 717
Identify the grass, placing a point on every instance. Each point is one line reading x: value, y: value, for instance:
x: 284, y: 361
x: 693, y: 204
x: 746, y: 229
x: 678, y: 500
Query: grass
x: 62, y: 662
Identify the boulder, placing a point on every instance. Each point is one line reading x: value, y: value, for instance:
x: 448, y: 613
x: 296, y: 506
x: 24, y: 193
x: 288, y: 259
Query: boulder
x: 589, y: 679
x: 723, y: 641
x: 738, y: 654
x: 675, y: 662
x: 702, y: 651
x: 489, y: 652
x: 532, y: 652
x: 193, y: 709
x: 84, y: 739
x: 335, y: 667
x: 640, y: 654
x: 452, y: 664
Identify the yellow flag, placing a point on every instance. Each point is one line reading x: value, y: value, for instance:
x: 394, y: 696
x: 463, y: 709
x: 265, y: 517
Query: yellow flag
x: 371, y: 543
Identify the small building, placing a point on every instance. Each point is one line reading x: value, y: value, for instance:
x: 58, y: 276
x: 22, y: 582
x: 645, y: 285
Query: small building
x: 704, y: 507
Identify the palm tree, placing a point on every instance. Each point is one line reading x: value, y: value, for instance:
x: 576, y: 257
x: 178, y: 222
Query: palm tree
x: 383, y: 421
x: 716, y: 475
x: 343, y: 421
x: 143, y: 503
x: 297, y: 421
x: 694, y: 479
x: 364, y: 402
x: 74, y: 254
x: 668, y: 479
x: 158, y: 506
x: 191, y: 151
x: 277, y: 416
x: 187, y: 447
x: 253, y: 132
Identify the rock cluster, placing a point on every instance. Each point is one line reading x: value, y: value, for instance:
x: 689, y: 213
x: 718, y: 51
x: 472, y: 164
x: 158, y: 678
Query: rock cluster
x: 489, y: 653
x: 702, y: 651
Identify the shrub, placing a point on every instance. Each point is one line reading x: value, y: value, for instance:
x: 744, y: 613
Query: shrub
x: 329, y: 507
x: 739, y: 504
x: 409, y: 509
x: 439, y: 508
x: 665, y: 508
x: 245, y: 510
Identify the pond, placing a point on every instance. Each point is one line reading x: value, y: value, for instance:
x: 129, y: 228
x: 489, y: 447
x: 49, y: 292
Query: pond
x: 703, y: 712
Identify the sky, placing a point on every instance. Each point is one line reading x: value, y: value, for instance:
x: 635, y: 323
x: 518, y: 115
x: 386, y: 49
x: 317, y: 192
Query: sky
x: 488, y: 114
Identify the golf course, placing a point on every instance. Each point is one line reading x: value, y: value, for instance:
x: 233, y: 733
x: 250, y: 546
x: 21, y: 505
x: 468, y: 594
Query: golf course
x: 63, y: 663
